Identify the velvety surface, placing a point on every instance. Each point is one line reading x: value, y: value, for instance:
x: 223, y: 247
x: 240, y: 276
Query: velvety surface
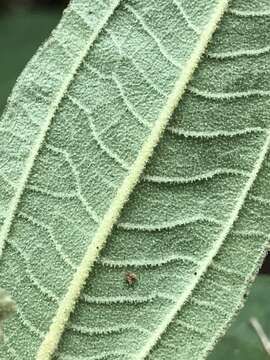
x: 195, y: 227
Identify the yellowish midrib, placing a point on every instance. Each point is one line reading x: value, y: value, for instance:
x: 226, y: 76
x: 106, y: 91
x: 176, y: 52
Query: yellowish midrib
x: 66, y: 306
x: 33, y: 153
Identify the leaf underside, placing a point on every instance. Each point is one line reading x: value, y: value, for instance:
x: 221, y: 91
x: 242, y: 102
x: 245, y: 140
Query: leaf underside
x: 195, y: 227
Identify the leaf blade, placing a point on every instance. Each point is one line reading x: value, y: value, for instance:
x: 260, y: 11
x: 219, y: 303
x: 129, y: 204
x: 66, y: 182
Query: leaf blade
x: 25, y: 217
x: 50, y: 343
x: 236, y: 243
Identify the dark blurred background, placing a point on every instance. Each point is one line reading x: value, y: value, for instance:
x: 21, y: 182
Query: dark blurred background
x: 15, y: 4
x: 24, y: 25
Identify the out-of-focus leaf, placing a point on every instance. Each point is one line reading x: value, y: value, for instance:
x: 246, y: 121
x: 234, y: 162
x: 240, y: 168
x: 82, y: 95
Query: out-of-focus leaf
x: 241, y: 342
x: 20, y: 35
x: 7, y: 308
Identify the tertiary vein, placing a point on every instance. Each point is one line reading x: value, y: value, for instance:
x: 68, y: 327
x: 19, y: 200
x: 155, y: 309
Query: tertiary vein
x: 54, y: 334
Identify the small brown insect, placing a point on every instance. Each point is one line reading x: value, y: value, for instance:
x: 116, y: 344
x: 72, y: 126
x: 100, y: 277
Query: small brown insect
x: 131, y: 278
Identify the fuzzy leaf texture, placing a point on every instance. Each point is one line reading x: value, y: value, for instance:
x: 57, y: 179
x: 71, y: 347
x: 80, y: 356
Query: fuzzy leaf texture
x: 136, y: 140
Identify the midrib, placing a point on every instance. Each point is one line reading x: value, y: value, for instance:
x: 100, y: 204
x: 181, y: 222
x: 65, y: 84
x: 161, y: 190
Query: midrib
x: 66, y: 306
x: 33, y: 154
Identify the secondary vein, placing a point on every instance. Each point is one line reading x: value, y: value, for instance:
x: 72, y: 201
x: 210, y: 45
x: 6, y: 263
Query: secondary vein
x: 33, y: 153
x: 211, y: 255
x: 66, y: 306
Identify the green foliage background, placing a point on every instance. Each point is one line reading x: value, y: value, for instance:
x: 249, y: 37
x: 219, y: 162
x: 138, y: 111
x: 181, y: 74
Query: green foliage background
x: 241, y: 341
x: 20, y: 35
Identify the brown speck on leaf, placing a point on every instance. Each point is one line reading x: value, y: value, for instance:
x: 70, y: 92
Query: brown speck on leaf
x: 131, y: 278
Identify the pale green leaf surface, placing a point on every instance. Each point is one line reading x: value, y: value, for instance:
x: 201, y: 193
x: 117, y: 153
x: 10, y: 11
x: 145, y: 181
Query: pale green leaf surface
x: 195, y: 227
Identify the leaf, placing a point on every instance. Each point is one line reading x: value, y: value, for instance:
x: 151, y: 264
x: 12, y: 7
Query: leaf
x: 7, y: 305
x: 82, y: 122
x: 7, y: 308
x: 241, y: 342
x: 21, y: 33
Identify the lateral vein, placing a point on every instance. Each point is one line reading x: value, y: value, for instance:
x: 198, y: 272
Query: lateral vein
x: 67, y: 304
x: 33, y: 154
x: 208, y: 261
